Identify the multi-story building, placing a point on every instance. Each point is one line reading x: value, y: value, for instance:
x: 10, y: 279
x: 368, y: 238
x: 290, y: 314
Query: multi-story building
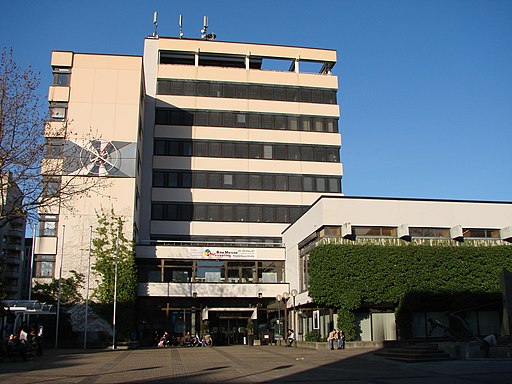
x: 12, y: 235
x: 210, y: 151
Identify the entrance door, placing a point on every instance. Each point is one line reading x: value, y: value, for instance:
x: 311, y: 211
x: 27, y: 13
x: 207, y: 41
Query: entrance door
x: 231, y: 330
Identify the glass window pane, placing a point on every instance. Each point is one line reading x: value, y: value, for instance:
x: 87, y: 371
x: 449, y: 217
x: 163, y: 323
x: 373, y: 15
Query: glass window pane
x: 254, y: 151
x: 268, y: 182
x: 293, y: 123
x: 281, y: 182
x: 241, y: 150
x: 295, y: 183
x: 267, y: 151
x: 241, y: 181
x: 214, y: 180
x: 215, y: 149
x: 203, y: 89
x: 172, y: 179
x: 255, y: 182
x: 186, y: 180
x: 308, y: 184
x: 241, y: 91
x: 200, y: 180
x: 228, y: 149
x: 227, y: 181
x: 306, y: 153
x: 159, y: 148
x: 200, y: 149
x: 255, y: 120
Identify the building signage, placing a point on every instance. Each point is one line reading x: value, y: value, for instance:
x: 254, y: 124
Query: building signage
x: 215, y: 253
x: 219, y: 253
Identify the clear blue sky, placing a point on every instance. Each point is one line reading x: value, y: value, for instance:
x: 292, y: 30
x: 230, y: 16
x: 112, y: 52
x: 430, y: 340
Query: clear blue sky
x: 425, y: 86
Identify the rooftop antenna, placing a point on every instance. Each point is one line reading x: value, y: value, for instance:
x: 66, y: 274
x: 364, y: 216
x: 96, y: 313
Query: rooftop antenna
x: 205, y: 27
x: 181, y: 26
x: 204, y: 35
x: 155, y: 23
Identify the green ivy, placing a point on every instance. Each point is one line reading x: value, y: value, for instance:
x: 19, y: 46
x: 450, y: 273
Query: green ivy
x: 350, y: 276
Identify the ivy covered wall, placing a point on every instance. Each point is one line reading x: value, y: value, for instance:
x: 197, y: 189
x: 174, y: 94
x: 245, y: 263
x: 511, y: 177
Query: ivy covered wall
x: 412, y: 277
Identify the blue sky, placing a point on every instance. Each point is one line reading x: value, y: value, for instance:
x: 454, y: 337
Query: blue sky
x: 425, y: 86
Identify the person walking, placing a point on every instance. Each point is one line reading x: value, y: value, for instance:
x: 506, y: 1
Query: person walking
x: 291, y: 337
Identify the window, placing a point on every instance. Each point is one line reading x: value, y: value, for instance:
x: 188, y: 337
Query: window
x: 54, y: 148
x: 428, y: 232
x: 58, y: 111
x: 267, y: 151
x: 159, y: 179
x: 61, y: 76
x: 374, y: 231
x: 254, y: 151
x: 44, y: 265
x: 215, y: 148
x: 48, y: 225
x: 478, y: 233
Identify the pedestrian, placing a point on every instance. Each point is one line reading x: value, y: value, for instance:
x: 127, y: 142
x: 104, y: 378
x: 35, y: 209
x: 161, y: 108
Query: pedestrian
x: 341, y: 339
x: 487, y: 342
x: 291, y: 337
x: 333, y: 336
x: 39, y: 339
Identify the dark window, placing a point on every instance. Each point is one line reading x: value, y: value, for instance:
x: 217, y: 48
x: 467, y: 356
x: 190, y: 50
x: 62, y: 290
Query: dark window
x: 280, y: 93
x: 214, y: 180
x: 159, y: 148
x: 215, y: 90
x: 320, y: 154
x: 306, y: 153
x: 215, y: 149
x: 254, y: 92
x: 203, y: 89
x: 241, y: 181
x: 254, y: 151
x: 200, y: 149
x: 228, y: 149
x: 267, y: 93
x: 229, y: 90
x: 281, y: 152
x: 241, y: 91
x: 281, y: 183
x: 176, y: 87
x: 305, y: 95
x: 186, y: 180
x: 292, y: 94
x: 172, y: 179
x: 241, y: 150
x: 189, y: 88
x: 254, y: 181
x: 255, y: 120
x: 295, y: 183
x: 268, y: 182
x: 200, y: 180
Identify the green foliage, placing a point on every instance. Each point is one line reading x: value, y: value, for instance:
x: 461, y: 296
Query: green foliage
x: 347, y: 322
x: 348, y: 276
x: 69, y: 294
x: 313, y: 336
x: 107, y: 246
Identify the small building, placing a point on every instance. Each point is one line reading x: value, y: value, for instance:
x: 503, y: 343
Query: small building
x: 392, y: 222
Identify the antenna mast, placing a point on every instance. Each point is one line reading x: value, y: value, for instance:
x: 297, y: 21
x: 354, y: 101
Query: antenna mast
x: 155, y: 23
x: 181, y: 26
x: 204, y: 35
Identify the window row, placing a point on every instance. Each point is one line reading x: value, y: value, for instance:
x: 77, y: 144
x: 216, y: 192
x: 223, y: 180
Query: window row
x: 210, y: 271
x: 216, y: 241
x: 414, y: 232
x: 233, y: 119
x: 245, y: 91
x: 244, y: 181
x: 252, y: 213
x: 246, y: 150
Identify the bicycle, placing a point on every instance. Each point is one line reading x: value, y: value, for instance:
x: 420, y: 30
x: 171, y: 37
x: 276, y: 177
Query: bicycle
x: 207, y: 341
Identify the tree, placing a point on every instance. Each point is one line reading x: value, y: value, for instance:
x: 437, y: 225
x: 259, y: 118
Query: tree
x: 111, y: 244
x: 26, y: 156
x: 70, y: 290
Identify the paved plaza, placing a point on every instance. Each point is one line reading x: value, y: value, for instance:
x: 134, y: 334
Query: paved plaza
x: 244, y: 364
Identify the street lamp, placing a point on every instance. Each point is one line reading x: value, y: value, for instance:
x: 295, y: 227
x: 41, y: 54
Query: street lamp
x: 286, y: 296
x: 279, y: 298
x: 294, y: 293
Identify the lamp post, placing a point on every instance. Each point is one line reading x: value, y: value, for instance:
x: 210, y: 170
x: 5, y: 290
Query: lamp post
x: 286, y: 296
x: 294, y: 293
x: 279, y: 298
